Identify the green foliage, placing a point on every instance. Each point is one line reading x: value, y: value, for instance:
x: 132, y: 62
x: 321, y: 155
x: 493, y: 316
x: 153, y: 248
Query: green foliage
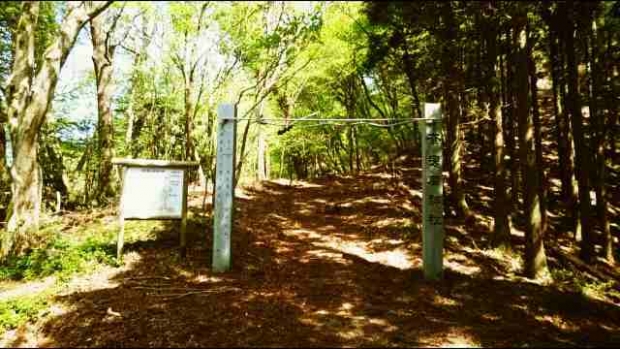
x: 61, y: 258
x: 585, y: 286
x: 9, y: 12
x: 15, y: 312
x: 46, y: 31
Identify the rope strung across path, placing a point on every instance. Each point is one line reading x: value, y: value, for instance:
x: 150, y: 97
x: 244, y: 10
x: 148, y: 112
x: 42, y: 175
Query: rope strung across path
x: 288, y: 124
x: 327, y: 119
x: 334, y: 123
x: 430, y: 133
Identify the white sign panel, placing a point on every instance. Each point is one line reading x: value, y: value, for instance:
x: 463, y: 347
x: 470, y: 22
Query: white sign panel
x: 152, y: 193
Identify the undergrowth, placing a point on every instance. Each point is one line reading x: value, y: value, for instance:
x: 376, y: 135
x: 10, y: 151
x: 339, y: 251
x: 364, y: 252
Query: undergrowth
x: 589, y: 288
x: 59, y: 257
x: 18, y: 311
x: 67, y: 250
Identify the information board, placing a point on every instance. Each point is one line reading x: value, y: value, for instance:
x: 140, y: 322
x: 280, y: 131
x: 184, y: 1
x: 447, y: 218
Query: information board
x: 152, y: 193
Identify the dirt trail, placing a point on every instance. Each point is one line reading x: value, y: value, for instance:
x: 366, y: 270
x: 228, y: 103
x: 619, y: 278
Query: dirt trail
x: 309, y: 273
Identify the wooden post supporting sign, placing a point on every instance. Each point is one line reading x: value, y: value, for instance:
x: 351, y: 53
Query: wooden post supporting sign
x: 153, y: 189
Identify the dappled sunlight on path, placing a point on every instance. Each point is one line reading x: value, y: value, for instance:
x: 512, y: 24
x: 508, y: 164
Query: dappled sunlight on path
x: 334, y: 262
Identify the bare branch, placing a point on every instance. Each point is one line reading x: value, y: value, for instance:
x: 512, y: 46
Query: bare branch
x: 129, y: 28
x: 115, y: 18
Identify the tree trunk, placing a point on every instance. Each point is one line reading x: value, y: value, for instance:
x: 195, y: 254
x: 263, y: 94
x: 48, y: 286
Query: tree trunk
x: 103, y: 56
x: 501, y: 227
x: 598, y: 142
x: 357, y: 150
x: 244, y: 138
x: 563, y: 135
x: 52, y: 165
x: 568, y: 174
x: 535, y: 259
x: 452, y: 86
x: 509, y: 129
x: 261, y: 154
x: 189, y: 109
x: 613, y: 91
x: 350, y: 150
x: 29, y: 97
x: 25, y: 206
x: 5, y: 179
x: 540, y: 165
x: 582, y: 160
x: 409, y: 67
x: 129, y: 131
x: 282, y: 152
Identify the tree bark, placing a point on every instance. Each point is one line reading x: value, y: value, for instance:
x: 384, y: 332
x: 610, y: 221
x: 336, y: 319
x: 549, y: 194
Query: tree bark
x: 563, y: 135
x: 509, y: 126
x: 29, y: 98
x: 613, y: 91
x: 409, y: 72
x: 451, y: 90
x: 535, y: 258
x: 570, y: 189
x: 103, y: 57
x: 598, y: 140
x: 25, y: 206
x: 582, y: 160
x: 540, y: 165
x: 501, y: 227
x: 5, y: 178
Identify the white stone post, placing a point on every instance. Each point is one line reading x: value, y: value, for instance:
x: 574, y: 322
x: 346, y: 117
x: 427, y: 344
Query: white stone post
x: 224, y: 188
x: 432, y: 204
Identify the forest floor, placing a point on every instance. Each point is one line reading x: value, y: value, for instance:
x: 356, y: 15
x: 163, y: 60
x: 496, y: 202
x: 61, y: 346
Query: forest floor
x: 308, y: 273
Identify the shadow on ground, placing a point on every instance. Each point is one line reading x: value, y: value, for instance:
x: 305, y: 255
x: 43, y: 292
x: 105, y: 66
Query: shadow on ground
x: 305, y: 275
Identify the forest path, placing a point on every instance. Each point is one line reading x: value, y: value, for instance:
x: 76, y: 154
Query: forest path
x: 308, y: 272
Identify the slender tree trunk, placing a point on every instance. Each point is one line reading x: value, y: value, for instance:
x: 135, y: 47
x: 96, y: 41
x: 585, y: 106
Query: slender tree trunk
x: 242, y: 151
x: 261, y: 154
x: 5, y: 178
x: 282, y: 152
x: 357, y: 150
x: 189, y: 122
x: 350, y: 148
x: 452, y: 88
x: 52, y: 165
x: 613, y: 85
x: 103, y: 56
x: 540, y: 165
x: 582, y: 160
x: 259, y: 94
x: 129, y: 131
x: 563, y: 135
x: 482, y: 72
x: 610, y: 101
x: 501, y: 227
x: 509, y: 129
x: 598, y: 142
x: 570, y: 189
x: 535, y: 259
x: 409, y: 67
